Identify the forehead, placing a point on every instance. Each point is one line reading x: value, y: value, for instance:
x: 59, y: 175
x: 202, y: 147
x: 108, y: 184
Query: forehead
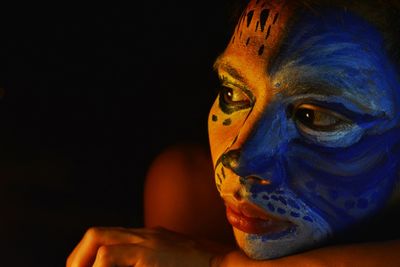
x: 333, y: 51
x: 260, y: 25
x: 258, y: 31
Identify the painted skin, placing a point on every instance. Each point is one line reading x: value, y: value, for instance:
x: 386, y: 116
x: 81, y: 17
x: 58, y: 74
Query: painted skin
x: 304, y: 131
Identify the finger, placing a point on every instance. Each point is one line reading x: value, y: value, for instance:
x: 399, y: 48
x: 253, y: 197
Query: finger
x: 120, y: 255
x: 146, y: 232
x: 85, y: 252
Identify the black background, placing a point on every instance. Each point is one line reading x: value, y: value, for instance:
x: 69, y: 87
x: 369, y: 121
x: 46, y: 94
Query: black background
x: 90, y: 95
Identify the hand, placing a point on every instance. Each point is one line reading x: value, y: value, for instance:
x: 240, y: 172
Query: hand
x: 101, y: 247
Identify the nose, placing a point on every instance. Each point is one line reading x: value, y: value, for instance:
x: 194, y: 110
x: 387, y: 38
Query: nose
x: 259, y: 154
x: 231, y: 160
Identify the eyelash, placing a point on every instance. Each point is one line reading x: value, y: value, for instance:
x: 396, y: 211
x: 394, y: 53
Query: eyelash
x: 227, y: 102
x: 318, y: 119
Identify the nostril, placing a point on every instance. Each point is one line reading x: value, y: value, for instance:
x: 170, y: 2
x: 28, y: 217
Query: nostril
x: 257, y: 180
x: 264, y: 182
x: 231, y: 159
x: 237, y: 195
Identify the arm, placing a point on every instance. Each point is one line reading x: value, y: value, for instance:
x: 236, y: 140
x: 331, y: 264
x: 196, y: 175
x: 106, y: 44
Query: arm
x: 177, y: 180
x: 160, y: 247
x: 367, y: 254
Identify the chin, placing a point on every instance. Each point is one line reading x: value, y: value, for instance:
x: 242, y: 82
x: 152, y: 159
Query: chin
x: 275, y: 245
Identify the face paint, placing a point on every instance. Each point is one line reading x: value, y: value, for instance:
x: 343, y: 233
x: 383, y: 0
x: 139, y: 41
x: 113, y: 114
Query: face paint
x: 311, y: 147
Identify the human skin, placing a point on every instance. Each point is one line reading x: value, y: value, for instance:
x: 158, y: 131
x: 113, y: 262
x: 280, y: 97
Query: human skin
x: 303, y: 133
x: 309, y: 124
x: 150, y: 246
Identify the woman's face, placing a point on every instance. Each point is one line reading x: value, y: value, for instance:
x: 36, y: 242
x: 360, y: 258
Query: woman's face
x: 304, y: 129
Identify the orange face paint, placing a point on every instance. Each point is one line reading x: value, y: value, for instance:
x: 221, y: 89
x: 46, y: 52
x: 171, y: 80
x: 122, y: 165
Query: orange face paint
x: 243, y: 68
x: 287, y: 131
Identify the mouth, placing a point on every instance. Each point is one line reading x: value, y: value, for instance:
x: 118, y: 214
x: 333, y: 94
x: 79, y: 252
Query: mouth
x: 251, y: 219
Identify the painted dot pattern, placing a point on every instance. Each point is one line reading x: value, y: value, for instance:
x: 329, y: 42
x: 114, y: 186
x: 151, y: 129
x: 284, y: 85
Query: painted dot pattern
x: 227, y: 122
x: 281, y: 203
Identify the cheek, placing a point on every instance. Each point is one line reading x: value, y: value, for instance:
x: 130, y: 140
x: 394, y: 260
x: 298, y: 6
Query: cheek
x: 343, y: 193
x: 223, y: 129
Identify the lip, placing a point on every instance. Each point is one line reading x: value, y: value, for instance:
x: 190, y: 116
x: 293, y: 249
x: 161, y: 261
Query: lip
x: 251, y: 219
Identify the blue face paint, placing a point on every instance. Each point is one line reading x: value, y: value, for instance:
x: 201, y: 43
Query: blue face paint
x: 325, y: 181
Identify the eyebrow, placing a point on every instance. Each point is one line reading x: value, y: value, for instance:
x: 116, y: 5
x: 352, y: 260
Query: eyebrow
x: 314, y: 89
x: 326, y: 59
x: 222, y: 65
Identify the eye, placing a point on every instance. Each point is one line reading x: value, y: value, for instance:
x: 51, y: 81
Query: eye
x: 232, y: 99
x: 234, y: 96
x: 319, y: 119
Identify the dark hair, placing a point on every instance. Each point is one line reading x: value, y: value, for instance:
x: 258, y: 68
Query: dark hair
x: 384, y: 14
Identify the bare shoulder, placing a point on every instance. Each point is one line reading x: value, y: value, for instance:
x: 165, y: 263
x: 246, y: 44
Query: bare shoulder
x: 181, y: 171
x: 184, y: 157
x: 179, y: 192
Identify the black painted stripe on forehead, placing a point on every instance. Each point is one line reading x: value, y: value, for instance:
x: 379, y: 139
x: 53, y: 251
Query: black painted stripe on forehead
x: 275, y: 18
x: 249, y: 16
x: 268, y: 32
x: 263, y: 18
x: 261, y: 50
x: 255, y: 18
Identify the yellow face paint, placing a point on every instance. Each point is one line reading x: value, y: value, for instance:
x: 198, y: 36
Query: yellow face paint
x: 242, y: 69
x: 292, y: 130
